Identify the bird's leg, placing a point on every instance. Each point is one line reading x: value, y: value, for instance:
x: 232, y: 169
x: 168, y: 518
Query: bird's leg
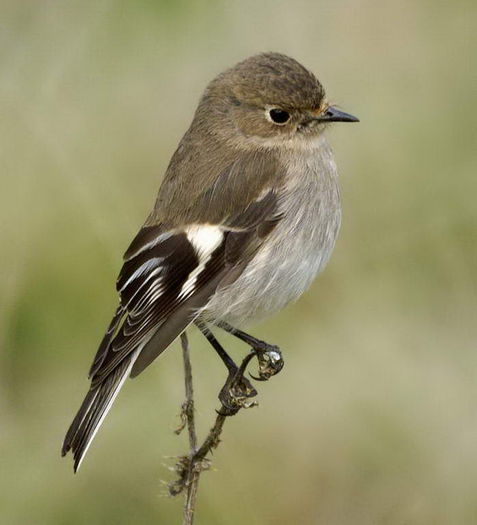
x: 237, y: 390
x: 270, y: 360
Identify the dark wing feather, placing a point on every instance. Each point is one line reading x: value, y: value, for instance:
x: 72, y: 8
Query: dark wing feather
x: 185, y: 313
x: 149, y: 286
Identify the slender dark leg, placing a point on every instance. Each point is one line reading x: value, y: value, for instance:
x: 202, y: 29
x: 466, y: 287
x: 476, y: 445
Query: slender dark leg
x: 270, y: 360
x: 228, y: 361
x: 237, y: 388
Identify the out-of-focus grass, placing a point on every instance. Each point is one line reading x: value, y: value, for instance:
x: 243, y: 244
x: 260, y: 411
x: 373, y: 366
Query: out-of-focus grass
x: 373, y: 420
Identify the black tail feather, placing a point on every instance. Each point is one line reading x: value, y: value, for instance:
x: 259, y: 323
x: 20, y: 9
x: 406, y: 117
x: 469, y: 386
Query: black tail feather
x: 94, y: 408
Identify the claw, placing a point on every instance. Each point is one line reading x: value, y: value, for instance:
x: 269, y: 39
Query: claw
x: 237, y: 391
x: 257, y: 378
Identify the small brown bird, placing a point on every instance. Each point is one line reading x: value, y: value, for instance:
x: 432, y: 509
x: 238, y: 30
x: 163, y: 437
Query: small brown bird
x: 246, y: 216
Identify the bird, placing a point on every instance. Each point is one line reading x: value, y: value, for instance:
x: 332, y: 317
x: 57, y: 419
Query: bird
x: 247, y: 215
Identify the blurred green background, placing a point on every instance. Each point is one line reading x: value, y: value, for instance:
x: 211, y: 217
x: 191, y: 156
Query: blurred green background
x: 374, y: 418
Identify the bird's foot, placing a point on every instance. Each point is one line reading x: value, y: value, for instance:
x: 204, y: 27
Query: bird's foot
x: 270, y: 361
x: 238, y: 390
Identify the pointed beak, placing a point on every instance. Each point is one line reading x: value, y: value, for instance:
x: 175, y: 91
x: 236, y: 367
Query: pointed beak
x: 335, y: 115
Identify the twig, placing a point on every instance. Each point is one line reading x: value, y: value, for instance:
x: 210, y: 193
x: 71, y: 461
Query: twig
x: 190, y: 467
x: 234, y: 395
x: 188, y: 406
x: 192, y: 474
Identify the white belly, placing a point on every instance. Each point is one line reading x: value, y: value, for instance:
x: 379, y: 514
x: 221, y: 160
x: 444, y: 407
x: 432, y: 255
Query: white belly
x: 295, y: 251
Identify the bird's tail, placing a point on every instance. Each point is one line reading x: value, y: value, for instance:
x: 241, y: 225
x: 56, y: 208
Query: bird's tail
x: 93, y: 410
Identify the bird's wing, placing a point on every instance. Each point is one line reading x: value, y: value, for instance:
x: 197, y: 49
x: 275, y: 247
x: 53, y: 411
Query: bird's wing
x: 168, y: 276
x: 177, y: 260
x: 169, y: 273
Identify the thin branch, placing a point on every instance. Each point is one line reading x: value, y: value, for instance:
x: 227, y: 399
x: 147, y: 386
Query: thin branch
x: 190, y: 467
x: 189, y: 390
x: 235, y: 394
x: 192, y: 473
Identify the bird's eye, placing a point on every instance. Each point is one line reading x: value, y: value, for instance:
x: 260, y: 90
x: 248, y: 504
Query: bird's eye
x: 279, y: 116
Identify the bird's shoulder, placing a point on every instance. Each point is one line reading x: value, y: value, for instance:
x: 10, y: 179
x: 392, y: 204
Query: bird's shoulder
x: 209, y: 180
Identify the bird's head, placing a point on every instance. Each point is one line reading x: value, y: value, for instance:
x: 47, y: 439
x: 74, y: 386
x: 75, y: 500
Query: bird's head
x: 270, y: 100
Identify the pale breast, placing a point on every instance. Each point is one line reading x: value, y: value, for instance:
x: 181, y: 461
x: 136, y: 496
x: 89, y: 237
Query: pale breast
x: 296, y: 250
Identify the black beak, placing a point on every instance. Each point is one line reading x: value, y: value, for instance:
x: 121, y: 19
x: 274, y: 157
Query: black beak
x: 335, y: 115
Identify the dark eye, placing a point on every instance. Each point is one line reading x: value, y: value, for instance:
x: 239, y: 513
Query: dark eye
x: 279, y: 116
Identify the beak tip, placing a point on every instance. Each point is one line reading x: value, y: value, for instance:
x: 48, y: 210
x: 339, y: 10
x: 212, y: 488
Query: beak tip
x: 335, y: 115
